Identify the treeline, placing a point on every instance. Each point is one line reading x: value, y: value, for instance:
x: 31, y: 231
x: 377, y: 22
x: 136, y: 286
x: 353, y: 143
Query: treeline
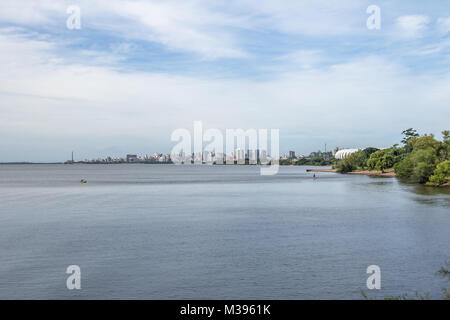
x: 317, y: 161
x: 420, y: 159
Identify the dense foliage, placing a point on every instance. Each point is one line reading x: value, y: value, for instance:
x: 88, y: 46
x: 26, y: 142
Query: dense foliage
x: 317, y: 161
x: 421, y: 159
x: 383, y: 159
x: 356, y: 161
x: 441, y: 173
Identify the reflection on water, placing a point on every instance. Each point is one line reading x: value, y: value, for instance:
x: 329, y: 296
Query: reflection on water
x: 430, y: 191
x: 428, y: 195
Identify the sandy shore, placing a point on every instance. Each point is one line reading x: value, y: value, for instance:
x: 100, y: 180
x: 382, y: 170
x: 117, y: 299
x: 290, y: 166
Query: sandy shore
x: 365, y: 172
x: 321, y: 170
x: 375, y: 173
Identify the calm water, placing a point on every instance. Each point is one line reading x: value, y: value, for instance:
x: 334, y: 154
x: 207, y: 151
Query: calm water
x: 164, y: 232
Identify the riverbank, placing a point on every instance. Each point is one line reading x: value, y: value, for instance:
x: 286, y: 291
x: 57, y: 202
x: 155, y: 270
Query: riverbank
x: 374, y: 173
x: 389, y: 173
x: 321, y: 170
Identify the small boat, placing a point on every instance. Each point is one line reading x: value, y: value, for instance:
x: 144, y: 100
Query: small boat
x: 83, y: 181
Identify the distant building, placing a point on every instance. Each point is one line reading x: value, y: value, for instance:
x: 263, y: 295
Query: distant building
x: 132, y: 158
x: 344, y: 153
x: 219, y: 157
x: 263, y: 155
x: 320, y: 154
x: 239, y: 155
x: 315, y: 154
x: 252, y: 156
x: 291, y: 154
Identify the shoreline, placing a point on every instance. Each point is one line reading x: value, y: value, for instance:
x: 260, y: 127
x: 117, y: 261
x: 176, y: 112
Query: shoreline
x: 390, y: 174
x: 363, y: 172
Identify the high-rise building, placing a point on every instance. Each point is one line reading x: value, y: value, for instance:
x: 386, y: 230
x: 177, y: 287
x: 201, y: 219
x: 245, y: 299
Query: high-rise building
x: 240, y: 155
x: 263, y: 156
x: 252, y: 156
x: 132, y: 158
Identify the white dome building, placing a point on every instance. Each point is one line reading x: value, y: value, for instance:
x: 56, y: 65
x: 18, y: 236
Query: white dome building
x: 344, y: 153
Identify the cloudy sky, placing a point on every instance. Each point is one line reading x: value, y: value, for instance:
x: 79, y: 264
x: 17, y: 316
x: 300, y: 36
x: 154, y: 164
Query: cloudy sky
x: 137, y: 70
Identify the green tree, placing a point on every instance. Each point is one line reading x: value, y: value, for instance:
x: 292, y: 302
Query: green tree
x: 425, y: 142
x: 409, y: 133
x: 441, y: 174
x: 445, y: 151
x: 410, y: 136
x: 446, y: 135
x: 404, y: 169
x: 353, y: 162
x: 382, y: 160
x: 368, y: 151
x: 418, y: 166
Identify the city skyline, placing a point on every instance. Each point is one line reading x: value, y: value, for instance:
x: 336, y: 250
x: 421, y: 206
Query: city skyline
x: 205, y: 156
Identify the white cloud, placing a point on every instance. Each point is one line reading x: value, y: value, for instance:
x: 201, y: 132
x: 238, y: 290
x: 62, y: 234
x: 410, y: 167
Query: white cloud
x: 443, y: 25
x: 210, y: 29
x: 191, y: 26
x: 304, y: 59
x: 412, y: 26
x: 307, y: 17
x: 32, y: 12
x: 44, y: 97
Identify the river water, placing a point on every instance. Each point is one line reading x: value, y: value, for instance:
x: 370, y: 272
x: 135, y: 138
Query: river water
x: 216, y: 232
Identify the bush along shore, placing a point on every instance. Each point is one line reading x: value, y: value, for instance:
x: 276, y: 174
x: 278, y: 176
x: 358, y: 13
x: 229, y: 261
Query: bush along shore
x: 420, y: 159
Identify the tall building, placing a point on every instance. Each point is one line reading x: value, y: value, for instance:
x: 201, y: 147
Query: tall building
x: 132, y: 158
x: 240, y: 155
x: 263, y: 156
x: 252, y: 156
x: 291, y: 154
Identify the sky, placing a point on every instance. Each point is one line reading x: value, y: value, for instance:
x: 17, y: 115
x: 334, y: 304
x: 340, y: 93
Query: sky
x: 137, y: 70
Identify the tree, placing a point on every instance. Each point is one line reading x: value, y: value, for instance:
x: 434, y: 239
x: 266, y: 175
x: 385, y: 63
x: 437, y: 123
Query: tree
x: 404, y: 169
x: 409, y: 133
x: 446, y: 135
x: 425, y: 142
x: 445, y: 151
x: 382, y: 159
x: 353, y: 162
x: 368, y: 151
x: 441, y: 174
x: 418, y: 166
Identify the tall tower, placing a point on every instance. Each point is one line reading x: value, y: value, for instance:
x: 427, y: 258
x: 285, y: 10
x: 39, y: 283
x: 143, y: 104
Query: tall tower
x: 72, y: 156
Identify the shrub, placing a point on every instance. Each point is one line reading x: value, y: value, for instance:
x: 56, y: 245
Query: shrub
x: 441, y: 173
x: 418, y: 166
x: 382, y: 159
x: 353, y: 162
